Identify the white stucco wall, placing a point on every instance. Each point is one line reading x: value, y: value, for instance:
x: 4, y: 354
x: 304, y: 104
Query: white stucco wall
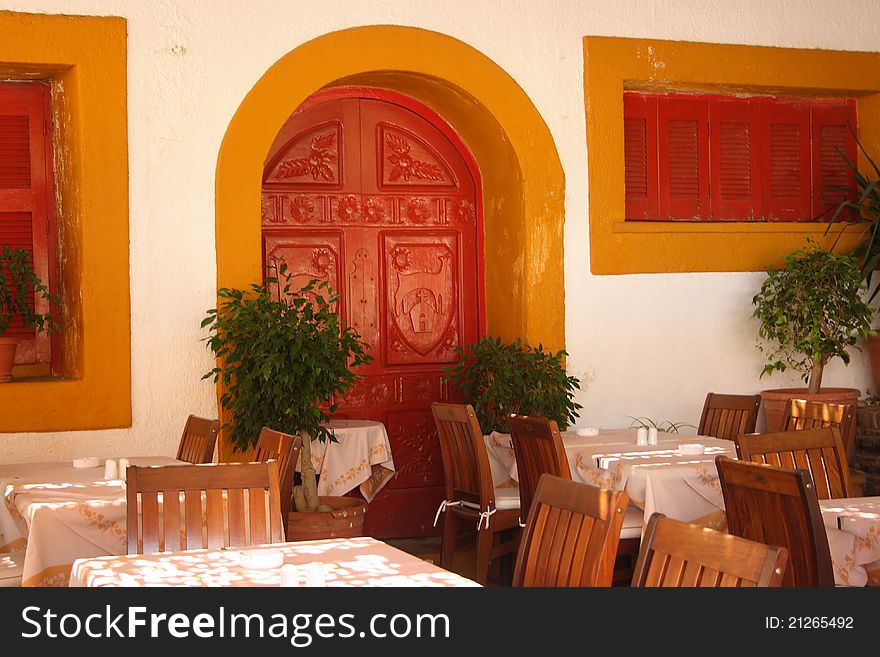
x: 644, y: 344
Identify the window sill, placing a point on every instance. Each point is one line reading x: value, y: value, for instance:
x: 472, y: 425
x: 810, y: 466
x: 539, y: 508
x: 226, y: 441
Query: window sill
x: 798, y: 227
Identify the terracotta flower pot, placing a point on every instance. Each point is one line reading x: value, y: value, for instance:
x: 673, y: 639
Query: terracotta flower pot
x: 774, y: 406
x: 344, y: 521
x: 7, y: 357
x: 874, y: 355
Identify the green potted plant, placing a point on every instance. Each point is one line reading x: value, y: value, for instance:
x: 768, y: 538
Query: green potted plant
x: 283, y: 356
x: 864, y: 210
x: 17, y: 281
x: 499, y: 378
x: 810, y: 311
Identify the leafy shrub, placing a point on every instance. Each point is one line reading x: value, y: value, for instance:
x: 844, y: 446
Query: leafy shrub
x: 499, y: 378
x: 811, y: 311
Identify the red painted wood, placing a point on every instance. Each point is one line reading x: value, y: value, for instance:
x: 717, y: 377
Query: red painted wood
x: 640, y: 155
x: 832, y: 128
x: 373, y: 192
x: 683, y: 146
x: 729, y: 158
x: 27, y: 208
x: 734, y: 129
x: 786, y: 160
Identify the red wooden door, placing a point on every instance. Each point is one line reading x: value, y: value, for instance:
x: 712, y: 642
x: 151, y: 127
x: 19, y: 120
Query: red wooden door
x: 375, y: 193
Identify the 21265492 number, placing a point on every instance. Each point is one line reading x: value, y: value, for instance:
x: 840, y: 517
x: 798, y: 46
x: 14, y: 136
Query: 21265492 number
x: 808, y: 622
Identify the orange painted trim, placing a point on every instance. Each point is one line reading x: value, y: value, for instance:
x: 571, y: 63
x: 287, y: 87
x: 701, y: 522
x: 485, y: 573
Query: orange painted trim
x: 614, y: 64
x: 85, y: 57
x: 523, y: 181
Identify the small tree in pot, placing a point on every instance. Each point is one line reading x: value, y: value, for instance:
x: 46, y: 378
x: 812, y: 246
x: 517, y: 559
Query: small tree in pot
x: 811, y: 311
x: 283, y: 358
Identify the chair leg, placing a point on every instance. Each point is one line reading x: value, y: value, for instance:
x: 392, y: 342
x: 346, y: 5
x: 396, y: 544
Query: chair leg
x: 447, y: 540
x: 484, y: 553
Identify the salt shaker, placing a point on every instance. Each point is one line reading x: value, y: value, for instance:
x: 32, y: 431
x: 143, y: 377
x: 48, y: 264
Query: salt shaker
x: 110, y: 471
x: 315, y: 575
x: 652, y: 436
x: 642, y: 436
x: 290, y: 575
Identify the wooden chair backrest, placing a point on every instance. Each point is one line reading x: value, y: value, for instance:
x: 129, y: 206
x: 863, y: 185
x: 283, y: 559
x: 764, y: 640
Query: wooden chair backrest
x: 778, y: 506
x: 571, y: 535
x: 818, y: 451
x: 466, y: 470
x: 538, y: 449
x: 198, y: 440
x: 284, y: 448
x: 802, y: 414
x: 727, y: 416
x: 187, y: 507
x: 675, y: 553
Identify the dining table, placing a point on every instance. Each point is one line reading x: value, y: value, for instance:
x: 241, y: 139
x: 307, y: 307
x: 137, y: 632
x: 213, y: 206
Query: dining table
x: 341, y: 562
x: 56, y: 512
x: 359, y: 458
x: 613, y: 459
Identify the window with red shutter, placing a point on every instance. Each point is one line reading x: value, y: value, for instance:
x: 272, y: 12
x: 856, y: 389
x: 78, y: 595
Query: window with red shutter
x: 730, y: 158
x: 26, y: 199
x: 640, y: 155
x: 832, y: 127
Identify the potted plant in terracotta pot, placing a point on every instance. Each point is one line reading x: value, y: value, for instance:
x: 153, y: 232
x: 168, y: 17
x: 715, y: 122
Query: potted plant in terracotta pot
x: 17, y: 281
x: 283, y: 356
x: 810, y: 311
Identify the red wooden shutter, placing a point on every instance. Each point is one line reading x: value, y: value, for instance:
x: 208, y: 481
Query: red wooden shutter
x: 683, y: 125
x: 831, y: 123
x: 786, y: 160
x: 640, y: 155
x: 26, y: 192
x: 734, y: 162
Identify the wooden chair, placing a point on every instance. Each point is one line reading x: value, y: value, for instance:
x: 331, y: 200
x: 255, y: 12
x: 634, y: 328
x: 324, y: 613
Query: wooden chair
x: 470, y: 495
x: 186, y: 507
x: 198, y: 440
x: 727, y: 416
x: 284, y: 448
x: 571, y: 535
x: 819, y: 451
x: 777, y: 506
x: 538, y: 449
x: 801, y: 414
x: 679, y: 554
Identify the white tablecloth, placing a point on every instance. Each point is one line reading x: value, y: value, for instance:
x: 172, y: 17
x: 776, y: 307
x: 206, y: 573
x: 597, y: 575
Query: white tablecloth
x: 59, y: 513
x: 344, y: 562
x: 613, y: 460
x: 361, y: 457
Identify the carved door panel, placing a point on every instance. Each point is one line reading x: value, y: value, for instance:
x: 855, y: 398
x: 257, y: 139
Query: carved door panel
x: 376, y: 198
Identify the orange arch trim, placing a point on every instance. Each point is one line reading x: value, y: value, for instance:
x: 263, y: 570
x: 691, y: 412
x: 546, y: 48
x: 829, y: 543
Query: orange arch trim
x: 523, y: 181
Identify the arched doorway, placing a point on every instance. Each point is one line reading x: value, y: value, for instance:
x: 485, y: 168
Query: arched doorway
x: 523, y: 184
x: 374, y: 192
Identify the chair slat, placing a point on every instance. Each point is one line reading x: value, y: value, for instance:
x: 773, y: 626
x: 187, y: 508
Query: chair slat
x: 171, y: 520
